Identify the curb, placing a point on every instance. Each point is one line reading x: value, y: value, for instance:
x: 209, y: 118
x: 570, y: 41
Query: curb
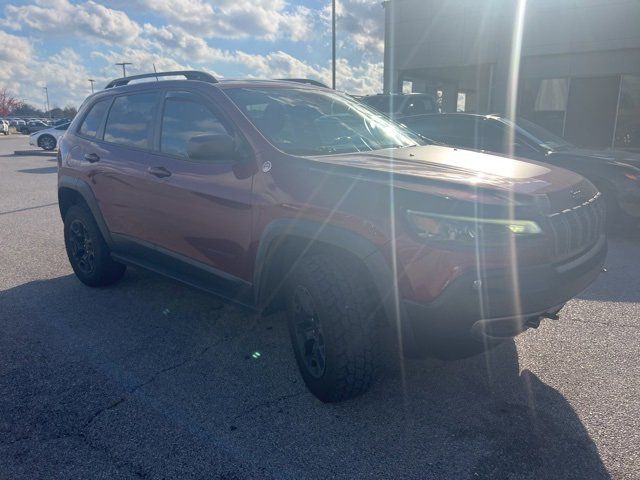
x: 36, y: 153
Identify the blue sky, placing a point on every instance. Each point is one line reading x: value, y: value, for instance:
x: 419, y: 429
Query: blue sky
x: 62, y: 43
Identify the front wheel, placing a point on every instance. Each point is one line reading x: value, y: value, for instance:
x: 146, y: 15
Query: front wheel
x: 47, y: 142
x: 332, y: 325
x: 88, y: 253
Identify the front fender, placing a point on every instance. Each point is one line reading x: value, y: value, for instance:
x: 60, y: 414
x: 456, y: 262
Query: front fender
x: 378, y: 269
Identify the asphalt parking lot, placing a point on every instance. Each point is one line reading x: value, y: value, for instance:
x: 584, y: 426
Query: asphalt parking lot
x: 151, y: 379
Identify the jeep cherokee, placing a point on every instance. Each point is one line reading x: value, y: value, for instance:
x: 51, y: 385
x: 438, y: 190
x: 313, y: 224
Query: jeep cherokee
x: 284, y: 195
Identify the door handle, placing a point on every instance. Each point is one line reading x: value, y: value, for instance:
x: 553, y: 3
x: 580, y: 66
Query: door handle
x: 159, y: 172
x: 91, y: 157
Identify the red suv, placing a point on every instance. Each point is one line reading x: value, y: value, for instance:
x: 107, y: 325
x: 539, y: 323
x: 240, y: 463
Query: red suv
x: 283, y: 195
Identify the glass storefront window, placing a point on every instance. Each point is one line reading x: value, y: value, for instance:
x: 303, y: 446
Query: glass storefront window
x: 628, y: 123
x: 462, y: 102
x: 544, y: 101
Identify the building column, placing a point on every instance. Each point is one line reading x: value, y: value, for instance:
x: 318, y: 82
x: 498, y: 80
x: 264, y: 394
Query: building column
x: 390, y: 74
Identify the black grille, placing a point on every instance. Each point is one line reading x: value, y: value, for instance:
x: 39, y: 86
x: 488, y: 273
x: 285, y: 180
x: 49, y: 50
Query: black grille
x: 576, y: 229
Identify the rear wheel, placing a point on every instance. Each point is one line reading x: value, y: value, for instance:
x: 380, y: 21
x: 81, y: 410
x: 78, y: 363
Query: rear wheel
x: 88, y: 253
x: 47, y: 142
x: 332, y: 325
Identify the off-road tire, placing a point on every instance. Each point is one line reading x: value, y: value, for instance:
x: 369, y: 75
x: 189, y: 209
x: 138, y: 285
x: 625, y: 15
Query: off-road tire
x: 345, y: 307
x: 104, y: 270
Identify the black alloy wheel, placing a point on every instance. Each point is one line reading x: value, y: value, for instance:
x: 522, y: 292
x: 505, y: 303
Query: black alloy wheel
x: 81, y: 247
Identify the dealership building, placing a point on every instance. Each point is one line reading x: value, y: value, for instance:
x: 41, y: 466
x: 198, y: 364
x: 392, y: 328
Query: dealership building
x: 578, y: 72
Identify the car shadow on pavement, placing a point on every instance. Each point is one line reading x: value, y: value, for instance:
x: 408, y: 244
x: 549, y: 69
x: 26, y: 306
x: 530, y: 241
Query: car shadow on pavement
x: 40, y: 171
x: 160, y: 379
x: 620, y: 282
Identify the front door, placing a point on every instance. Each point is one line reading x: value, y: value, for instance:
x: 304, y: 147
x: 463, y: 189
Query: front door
x: 205, y: 204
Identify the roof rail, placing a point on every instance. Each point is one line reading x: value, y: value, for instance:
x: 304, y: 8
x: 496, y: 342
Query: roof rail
x: 188, y: 74
x: 307, y: 81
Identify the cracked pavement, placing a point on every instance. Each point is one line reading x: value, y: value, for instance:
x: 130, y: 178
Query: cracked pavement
x: 151, y: 379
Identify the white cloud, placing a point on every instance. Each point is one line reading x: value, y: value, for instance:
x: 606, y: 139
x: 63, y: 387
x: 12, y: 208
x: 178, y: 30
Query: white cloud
x: 361, y: 21
x: 22, y: 73
x: 61, y: 17
x: 175, y: 40
x: 184, y: 42
x: 356, y: 79
x: 258, y: 19
x: 15, y: 55
x: 174, y: 49
x: 142, y: 61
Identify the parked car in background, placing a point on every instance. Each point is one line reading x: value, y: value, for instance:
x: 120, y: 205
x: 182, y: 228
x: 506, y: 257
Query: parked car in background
x: 60, y: 121
x: 33, y: 126
x: 286, y: 196
x: 400, y: 105
x: 4, y: 127
x: 48, y: 138
x: 615, y: 173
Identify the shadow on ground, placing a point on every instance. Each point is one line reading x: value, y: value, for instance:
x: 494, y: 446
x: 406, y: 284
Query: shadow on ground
x: 621, y: 280
x: 152, y: 379
x: 40, y: 171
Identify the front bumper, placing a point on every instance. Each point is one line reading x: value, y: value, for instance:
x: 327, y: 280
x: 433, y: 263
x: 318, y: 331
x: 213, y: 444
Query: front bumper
x: 495, y: 305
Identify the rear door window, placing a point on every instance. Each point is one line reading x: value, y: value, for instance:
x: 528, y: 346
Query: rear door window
x: 131, y: 120
x: 183, y: 119
x: 93, y: 119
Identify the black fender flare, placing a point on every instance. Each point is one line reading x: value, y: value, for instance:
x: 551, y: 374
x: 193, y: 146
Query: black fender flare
x: 84, y: 190
x: 380, y: 272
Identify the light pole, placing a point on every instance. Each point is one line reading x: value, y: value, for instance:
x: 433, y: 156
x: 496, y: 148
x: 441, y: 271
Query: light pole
x: 92, y: 81
x: 48, y: 108
x: 124, y: 67
x: 333, y: 44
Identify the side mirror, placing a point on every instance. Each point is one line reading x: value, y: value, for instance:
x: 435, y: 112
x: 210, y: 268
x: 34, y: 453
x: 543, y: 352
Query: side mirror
x: 211, y: 147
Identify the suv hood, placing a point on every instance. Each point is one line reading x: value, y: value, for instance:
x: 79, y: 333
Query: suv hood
x: 459, y: 166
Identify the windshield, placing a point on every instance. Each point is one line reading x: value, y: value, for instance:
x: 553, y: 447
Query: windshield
x: 541, y: 136
x: 318, y: 122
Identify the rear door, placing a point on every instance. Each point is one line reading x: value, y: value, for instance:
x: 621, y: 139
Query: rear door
x: 205, y: 204
x: 119, y: 159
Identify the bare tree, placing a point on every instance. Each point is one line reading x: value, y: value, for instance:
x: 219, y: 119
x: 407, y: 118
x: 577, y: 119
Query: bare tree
x: 8, y: 103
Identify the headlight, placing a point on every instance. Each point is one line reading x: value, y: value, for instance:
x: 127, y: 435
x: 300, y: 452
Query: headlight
x: 450, y: 228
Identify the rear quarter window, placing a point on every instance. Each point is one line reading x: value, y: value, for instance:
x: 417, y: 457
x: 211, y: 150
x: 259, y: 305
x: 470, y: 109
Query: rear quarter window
x: 93, y: 119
